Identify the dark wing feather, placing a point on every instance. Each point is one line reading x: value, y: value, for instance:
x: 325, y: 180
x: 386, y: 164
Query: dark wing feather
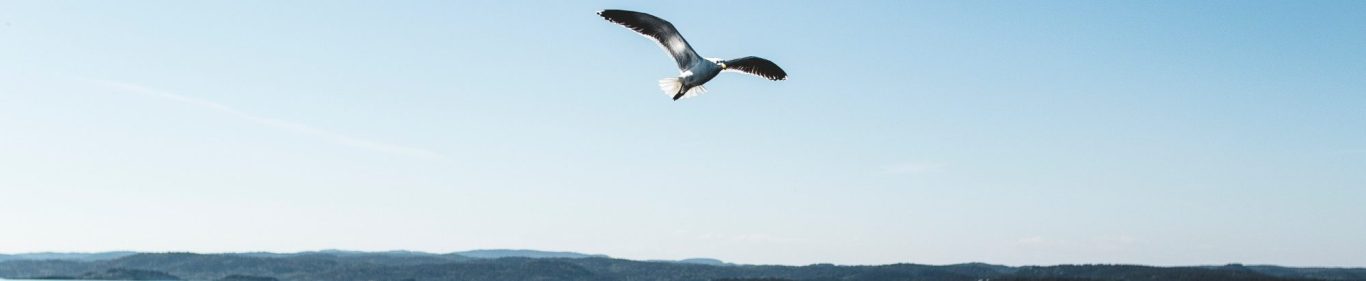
x: 658, y: 29
x: 757, y: 66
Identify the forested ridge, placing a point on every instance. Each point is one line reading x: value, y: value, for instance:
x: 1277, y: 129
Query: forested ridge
x: 414, y: 266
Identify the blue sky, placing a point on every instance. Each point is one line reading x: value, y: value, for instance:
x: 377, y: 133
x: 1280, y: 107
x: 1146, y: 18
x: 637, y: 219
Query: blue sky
x: 1039, y: 132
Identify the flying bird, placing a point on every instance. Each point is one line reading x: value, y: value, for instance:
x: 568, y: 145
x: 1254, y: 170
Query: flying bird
x: 694, y: 69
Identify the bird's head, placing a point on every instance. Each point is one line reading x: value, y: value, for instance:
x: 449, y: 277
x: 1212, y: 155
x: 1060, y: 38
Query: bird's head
x: 718, y: 62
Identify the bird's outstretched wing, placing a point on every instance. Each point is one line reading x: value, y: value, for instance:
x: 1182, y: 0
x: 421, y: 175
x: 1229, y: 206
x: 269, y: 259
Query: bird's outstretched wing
x: 658, y: 29
x: 757, y: 66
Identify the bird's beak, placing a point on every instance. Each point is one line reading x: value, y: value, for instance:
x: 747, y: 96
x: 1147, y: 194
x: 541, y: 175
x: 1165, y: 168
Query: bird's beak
x: 723, y: 65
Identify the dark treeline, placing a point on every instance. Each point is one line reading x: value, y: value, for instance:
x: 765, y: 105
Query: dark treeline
x: 114, y: 274
x: 452, y: 267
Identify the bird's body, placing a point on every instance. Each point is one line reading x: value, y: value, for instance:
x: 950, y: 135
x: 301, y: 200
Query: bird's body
x: 694, y: 70
x: 689, y: 82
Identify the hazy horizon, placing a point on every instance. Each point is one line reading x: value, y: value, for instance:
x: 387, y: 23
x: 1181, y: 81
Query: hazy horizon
x: 605, y: 255
x: 1016, y: 133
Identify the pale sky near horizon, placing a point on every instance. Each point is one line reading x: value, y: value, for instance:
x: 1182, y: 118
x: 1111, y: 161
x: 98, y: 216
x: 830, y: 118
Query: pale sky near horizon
x: 1011, y: 132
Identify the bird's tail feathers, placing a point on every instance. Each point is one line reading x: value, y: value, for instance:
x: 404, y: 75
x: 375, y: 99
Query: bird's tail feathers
x: 695, y: 91
x: 673, y: 85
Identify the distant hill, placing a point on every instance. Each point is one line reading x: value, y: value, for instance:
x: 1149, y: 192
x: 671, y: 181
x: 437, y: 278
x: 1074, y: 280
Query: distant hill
x: 481, y: 254
x: 701, y: 261
x: 513, y: 265
x: 704, y: 261
x: 337, y: 253
x: 66, y: 256
x: 506, y: 253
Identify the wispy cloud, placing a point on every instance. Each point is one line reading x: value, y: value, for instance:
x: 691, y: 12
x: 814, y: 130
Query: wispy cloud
x: 1031, y: 240
x: 914, y: 168
x: 272, y: 122
x: 1354, y: 151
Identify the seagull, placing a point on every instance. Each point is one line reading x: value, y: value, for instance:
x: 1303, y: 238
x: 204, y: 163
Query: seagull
x: 694, y: 69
